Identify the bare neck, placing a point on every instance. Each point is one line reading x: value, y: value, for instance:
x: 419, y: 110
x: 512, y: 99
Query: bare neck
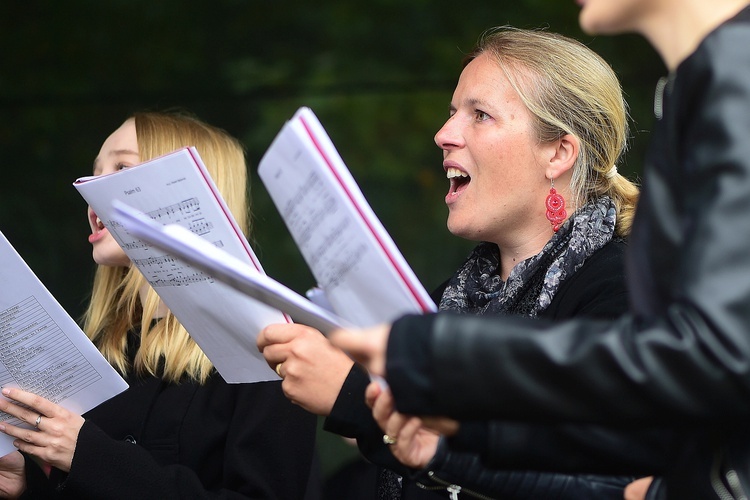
x: 511, y: 253
x: 676, y: 29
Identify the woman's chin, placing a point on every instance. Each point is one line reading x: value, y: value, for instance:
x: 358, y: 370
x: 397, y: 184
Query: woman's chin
x: 109, y: 260
x: 463, y: 232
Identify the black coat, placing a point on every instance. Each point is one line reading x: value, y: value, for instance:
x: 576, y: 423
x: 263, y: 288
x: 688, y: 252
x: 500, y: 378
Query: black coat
x: 159, y: 440
x: 682, y: 357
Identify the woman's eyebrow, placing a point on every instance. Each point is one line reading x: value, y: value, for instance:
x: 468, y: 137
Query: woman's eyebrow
x: 115, y: 153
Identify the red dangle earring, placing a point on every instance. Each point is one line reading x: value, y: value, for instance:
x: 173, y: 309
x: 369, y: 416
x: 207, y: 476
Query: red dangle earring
x: 555, y: 204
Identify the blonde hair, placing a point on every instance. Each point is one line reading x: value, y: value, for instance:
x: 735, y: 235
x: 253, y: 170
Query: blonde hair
x: 569, y: 89
x: 115, y: 307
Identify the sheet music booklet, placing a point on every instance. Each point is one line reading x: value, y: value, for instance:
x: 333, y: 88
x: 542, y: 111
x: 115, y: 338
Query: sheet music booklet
x: 42, y: 349
x: 177, y: 189
x: 354, y: 260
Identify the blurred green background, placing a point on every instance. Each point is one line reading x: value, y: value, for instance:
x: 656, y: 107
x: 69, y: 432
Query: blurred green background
x: 378, y: 74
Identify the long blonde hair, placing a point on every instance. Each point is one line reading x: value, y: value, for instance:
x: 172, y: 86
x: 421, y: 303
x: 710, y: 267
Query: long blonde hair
x: 569, y: 89
x: 115, y: 307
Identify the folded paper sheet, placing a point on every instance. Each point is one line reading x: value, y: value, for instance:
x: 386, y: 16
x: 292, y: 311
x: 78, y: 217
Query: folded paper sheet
x: 215, y: 262
x: 42, y: 349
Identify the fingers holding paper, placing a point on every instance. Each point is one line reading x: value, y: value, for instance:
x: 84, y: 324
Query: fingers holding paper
x: 53, y: 432
x: 312, y: 369
x: 367, y: 346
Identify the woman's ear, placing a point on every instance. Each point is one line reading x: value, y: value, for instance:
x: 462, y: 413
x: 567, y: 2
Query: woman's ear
x: 562, y: 155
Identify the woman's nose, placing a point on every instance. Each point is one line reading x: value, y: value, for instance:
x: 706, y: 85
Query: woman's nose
x: 448, y: 137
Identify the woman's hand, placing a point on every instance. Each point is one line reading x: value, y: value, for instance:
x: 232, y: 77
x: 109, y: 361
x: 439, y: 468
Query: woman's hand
x: 414, y: 444
x: 312, y: 368
x: 54, y: 430
x: 12, y: 475
x: 367, y: 346
x: 637, y: 489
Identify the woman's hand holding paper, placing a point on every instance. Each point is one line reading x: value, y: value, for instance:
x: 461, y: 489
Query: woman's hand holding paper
x: 312, y: 368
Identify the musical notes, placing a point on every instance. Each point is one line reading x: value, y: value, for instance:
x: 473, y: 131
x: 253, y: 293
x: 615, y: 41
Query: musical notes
x: 186, y: 212
x: 200, y: 226
x: 133, y: 244
x: 180, y: 279
x: 161, y: 262
x: 173, y: 212
x: 165, y: 270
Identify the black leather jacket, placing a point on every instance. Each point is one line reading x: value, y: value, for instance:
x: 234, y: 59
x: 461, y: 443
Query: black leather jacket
x: 682, y: 357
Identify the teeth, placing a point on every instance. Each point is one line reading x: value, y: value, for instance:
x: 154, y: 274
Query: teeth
x: 452, y: 172
x: 99, y: 223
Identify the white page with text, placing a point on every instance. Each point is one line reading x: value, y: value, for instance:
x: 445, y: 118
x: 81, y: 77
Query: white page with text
x: 42, y: 349
x: 354, y: 260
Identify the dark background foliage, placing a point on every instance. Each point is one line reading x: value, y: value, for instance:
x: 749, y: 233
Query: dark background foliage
x: 378, y: 74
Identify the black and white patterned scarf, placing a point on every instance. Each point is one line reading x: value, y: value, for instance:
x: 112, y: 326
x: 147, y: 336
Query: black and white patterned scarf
x: 476, y: 288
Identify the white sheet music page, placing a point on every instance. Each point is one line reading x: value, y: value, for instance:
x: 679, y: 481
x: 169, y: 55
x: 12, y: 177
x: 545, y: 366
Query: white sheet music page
x: 42, y: 349
x: 177, y: 189
x: 191, y: 248
x: 353, y: 258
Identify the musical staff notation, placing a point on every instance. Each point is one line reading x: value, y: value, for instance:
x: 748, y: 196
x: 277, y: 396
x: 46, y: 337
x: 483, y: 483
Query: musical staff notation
x: 183, y: 208
x: 200, y: 226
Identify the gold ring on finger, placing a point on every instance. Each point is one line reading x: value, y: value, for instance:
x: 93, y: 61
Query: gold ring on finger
x: 389, y: 439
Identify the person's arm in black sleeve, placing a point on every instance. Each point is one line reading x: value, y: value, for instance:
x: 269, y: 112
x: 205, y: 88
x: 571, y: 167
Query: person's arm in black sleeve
x: 350, y: 415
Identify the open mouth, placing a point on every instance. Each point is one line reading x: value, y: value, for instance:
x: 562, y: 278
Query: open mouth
x: 458, y: 179
x: 97, y: 226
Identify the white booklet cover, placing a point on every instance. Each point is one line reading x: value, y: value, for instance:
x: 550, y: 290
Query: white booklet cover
x: 177, y: 189
x: 354, y: 260
x: 42, y: 349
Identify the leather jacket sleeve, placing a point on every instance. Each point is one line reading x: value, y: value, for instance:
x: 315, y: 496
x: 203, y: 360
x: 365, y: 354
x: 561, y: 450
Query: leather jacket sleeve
x: 519, y: 461
x: 574, y: 447
x: 450, y: 469
x: 619, y: 372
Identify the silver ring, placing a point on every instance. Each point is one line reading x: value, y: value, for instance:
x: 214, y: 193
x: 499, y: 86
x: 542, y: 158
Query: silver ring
x: 388, y: 439
x: 38, y: 420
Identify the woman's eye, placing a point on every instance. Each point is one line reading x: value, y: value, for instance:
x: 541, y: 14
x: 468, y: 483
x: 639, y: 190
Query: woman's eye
x: 122, y: 166
x: 481, y: 115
